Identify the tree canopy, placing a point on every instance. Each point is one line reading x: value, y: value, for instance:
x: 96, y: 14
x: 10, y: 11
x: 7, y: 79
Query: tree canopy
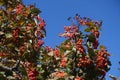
x: 23, y: 55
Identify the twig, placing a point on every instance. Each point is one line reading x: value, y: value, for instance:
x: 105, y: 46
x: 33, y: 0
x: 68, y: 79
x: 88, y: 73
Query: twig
x: 113, y: 77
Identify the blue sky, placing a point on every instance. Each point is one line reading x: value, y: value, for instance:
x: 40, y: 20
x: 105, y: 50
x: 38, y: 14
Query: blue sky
x: 56, y: 12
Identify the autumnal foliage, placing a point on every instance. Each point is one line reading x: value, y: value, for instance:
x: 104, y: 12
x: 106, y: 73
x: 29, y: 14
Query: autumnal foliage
x: 23, y: 55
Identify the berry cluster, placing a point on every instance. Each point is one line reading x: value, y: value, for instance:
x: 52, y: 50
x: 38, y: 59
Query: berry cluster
x: 57, y: 52
x: 63, y: 62
x: 40, y: 43
x: 61, y: 74
x: 87, y: 21
x: 32, y: 74
x: 84, y: 61
x: 41, y: 22
x: 70, y: 31
x: 19, y: 9
x: 80, y: 46
x: 92, y: 26
x: 16, y: 32
x: 95, y: 32
x: 95, y: 44
x: 68, y: 45
x: 22, y: 50
x: 77, y: 58
x: 102, y: 59
x: 78, y: 78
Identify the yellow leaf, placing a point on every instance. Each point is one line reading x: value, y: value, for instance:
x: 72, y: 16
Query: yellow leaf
x: 102, y: 47
x: 21, y: 23
x: 2, y: 2
x: 1, y: 11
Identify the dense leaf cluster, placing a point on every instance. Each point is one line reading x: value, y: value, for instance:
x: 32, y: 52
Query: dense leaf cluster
x: 24, y: 57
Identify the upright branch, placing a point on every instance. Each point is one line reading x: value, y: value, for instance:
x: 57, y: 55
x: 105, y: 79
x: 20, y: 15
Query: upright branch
x: 84, y: 57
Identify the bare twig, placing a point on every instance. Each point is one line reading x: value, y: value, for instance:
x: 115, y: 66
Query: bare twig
x: 113, y: 77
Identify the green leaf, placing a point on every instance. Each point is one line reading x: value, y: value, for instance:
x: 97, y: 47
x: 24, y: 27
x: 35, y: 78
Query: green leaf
x: 3, y: 77
x: 89, y: 44
x: 16, y: 49
x: 8, y: 35
x: 98, y: 28
x: 91, y: 38
x: 9, y: 73
x: 35, y: 11
x: 91, y: 24
x: 23, y: 71
x: 67, y: 52
x: 87, y: 29
x: 0, y: 22
x: 118, y: 68
x: 69, y: 70
x: 91, y: 53
x: 66, y: 41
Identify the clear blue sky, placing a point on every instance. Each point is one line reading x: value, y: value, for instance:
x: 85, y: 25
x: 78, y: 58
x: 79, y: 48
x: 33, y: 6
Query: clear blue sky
x: 56, y: 12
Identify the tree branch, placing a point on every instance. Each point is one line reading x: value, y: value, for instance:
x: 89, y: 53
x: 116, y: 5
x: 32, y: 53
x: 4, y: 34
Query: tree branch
x: 5, y: 68
x: 113, y: 77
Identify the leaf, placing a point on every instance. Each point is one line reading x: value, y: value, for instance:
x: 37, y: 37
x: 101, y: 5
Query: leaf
x: 98, y: 28
x: 1, y: 33
x: 16, y: 49
x: 9, y: 73
x: 2, y: 76
x: 35, y: 11
x: 44, y: 33
x: 69, y: 18
x: 35, y: 21
x: 21, y: 23
x: 91, y: 24
x: 101, y: 46
x: 89, y: 44
x: 51, y: 53
x: 10, y: 45
x: 2, y: 2
x: 118, y: 68
x: 67, y: 52
x: 74, y: 49
x: 8, y: 35
x: 90, y: 50
x: 87, y: 29
x: 91, y: 53
x: 69, y: 70
x: 0, y: 22
x: 23, y: 71
x: 91, y: 38
x: 66, y: 41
